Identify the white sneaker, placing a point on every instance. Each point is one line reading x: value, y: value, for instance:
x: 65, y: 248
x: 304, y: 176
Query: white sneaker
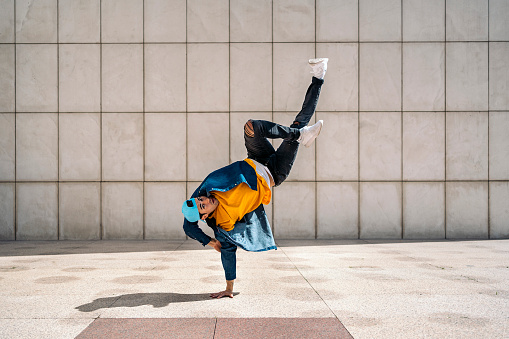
x: 309, y: 133
x: 319, y: 67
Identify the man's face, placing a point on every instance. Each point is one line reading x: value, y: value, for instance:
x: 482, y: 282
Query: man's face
x: 206, y: 205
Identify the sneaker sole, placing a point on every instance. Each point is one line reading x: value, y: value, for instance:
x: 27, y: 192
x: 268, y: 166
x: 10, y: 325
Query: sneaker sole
x: 317, y: 61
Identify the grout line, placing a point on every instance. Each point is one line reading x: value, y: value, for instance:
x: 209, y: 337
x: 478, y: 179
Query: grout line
x: 58, y: 125
x: 229, y: 85
x: 358, y: 124
x: 15, y: 131
x: 489, y: 214
x: 445, y: 120
x: 315, y: 147
x: 144, y: 126
x: 401, y: 125
x: 187, y: 118
x: 274, y: 191
x: 101, y: 226
x: 255, y: 42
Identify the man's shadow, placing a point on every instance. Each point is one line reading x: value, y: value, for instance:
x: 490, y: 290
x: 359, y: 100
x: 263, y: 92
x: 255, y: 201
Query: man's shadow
x: 139, y: 299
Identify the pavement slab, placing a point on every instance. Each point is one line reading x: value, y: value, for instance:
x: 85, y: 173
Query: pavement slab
x: 217, y: 328
x: 369, y: 288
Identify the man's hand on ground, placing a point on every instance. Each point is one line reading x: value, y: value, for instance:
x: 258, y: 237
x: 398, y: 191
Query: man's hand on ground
x: 226, y: 293
x: 215, y: 244
x: 222, y: 294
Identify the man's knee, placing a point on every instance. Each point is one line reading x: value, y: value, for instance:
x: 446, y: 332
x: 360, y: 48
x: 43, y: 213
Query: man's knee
x: 249, y: 129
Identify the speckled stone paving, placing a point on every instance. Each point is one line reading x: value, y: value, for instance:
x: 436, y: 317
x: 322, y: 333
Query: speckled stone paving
x: 375, y: 289
x: 206, y: 328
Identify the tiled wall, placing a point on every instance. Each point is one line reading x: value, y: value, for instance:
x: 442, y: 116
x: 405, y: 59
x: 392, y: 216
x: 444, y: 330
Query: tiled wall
x: 113, y: 111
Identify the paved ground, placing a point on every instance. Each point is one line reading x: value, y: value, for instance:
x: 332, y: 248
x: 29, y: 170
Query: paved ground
x: 400, y: 289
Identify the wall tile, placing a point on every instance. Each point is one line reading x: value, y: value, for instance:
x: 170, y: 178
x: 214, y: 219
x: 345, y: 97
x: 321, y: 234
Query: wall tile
x: 80, y: 146
x: 423, y: 210
x: 499, y: 210
x: 337, y: 151
x: 207, y: 21
x: 466, y: 20
x: 499, y: 25
x: 289, y: 198
x: 7, y: 208
x: 237, y: 120
x: 7, y: 146
x: 7, y: 21
x: 207, y: 143
x: 80, y: 211
x: 37, y: 211
x: 122, y: 210
x: 208, y: 87
x: 253, y: 62
x: 380, y: 77
x: 36, y: 21
x: 291, y: 75
x: 423, y: 20
x: 165, y: 21
x: 380, y: 146
x: 165, y: 77
x: 341, y: 90
x: 499, y: 75
x: 80, y: 78
x: 423, y: 146
x: 304, y: 165
x: 294, y: 20
x: 163, y: 203
x: 379, y: 20
x: 467, y: 76
x: 380, y: 210
x: 7, y: 70
x: 79, y: 21
x: 36, y: 78
x: 122, y: 147
x: 424, y: 76
x: 165, y: 146
x: 122, y: 78
x: 337, y: 210
x: 251, y: 21
x: 467, y: 210
x: 499, y: 145
x: 122, y: 20
x: 467, y: 146
x: 337, y: 20
x: 37, y: 146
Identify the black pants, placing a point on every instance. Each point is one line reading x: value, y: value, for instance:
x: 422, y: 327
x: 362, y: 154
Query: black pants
x: 257, y: 133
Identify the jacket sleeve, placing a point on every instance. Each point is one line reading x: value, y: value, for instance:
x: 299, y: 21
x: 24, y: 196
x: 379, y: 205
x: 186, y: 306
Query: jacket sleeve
x: 229, y: 260
x: 194, y: 231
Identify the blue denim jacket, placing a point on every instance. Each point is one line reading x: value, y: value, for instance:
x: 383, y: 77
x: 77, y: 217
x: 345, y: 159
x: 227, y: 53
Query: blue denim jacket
x: 252, y: 233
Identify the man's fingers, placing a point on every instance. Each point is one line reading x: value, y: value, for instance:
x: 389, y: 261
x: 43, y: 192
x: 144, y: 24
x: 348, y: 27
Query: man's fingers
x: 221, y: 295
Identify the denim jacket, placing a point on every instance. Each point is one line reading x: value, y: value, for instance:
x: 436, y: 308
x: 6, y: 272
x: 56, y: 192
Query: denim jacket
x: 251, y: 233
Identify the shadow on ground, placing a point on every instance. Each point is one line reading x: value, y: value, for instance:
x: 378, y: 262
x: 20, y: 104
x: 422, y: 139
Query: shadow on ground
x: 140, y: 299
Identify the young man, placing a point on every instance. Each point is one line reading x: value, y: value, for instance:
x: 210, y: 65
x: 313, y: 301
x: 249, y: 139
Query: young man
x: 230, y: 200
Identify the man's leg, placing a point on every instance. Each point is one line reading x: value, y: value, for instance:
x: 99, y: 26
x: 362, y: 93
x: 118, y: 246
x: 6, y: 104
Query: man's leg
x: 309, y: 106
x: 257, y: 133
x: 281, y: 162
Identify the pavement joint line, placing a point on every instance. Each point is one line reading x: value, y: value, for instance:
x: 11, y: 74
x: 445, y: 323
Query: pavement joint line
x: 335, y: 315
x: 215, y: 327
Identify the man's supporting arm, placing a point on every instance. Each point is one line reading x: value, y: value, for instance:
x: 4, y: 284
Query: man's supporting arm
x: 229, y: 261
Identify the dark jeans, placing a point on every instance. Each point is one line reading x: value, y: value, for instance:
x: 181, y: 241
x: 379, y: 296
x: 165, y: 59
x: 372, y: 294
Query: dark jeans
x: 257, y: 133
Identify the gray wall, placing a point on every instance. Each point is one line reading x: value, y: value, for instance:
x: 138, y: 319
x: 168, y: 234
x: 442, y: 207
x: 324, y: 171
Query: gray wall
x: 113, y: 111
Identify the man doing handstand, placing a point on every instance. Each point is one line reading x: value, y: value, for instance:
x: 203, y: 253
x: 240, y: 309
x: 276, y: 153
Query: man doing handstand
x: 230, y: 200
